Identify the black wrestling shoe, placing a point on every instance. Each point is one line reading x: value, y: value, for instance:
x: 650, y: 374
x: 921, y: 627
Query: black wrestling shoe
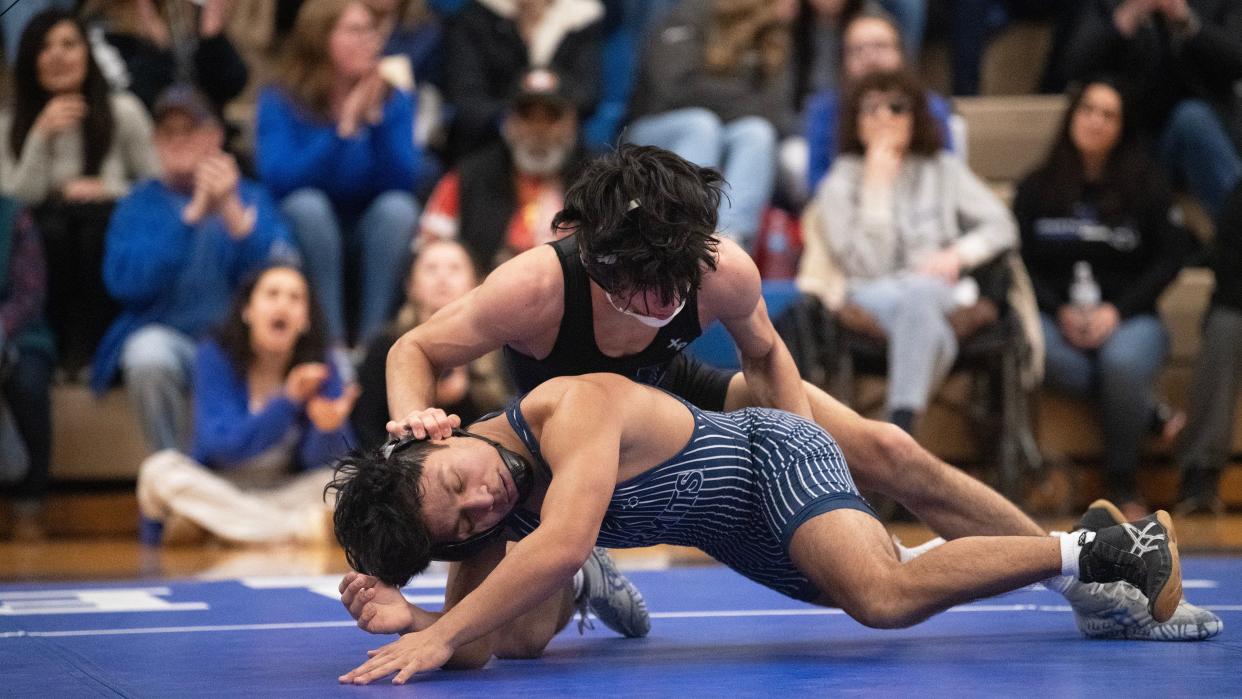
x: 1144, y: 554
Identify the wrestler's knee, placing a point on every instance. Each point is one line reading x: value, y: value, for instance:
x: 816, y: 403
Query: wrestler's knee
x: 879, y: 605
x: 522, y: 646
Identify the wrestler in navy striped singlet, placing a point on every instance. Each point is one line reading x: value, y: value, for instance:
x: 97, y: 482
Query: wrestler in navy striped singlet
x: 737, y: 490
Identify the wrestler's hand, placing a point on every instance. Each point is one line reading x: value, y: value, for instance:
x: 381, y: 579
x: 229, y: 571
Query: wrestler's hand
x: 430, y: 423
x: 413, y: 652
x: 377, y: 607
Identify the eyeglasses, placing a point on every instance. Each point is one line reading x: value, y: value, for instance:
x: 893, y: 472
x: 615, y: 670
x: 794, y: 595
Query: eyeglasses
x: 896, y: 106
x: 855, y: 50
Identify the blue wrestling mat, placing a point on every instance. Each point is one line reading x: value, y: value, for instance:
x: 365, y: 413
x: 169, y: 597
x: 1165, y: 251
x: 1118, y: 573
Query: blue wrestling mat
x: 714, y: 633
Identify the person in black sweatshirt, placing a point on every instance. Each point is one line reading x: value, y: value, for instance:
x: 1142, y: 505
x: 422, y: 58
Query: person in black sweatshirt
x: 1101, y: 241
x: 1218, y: 372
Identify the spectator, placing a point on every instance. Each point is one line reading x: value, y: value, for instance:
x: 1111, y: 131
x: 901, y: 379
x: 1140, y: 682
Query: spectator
x: 1205, y: 445
x: 715, y: 88
x: 871, y: 43
x: 335, y: 143
x: 26, y: 361
x: 493, y: 42
x: 1099, y: 200
x: 163, y: 42
x: 1183, y: 57
x: 177, y: 248
x: 70, y: 150
x: 442, y: 273
x: 817, y: 44
x: 501, y: 199
x: 269, y: 415
x: 906, y: 222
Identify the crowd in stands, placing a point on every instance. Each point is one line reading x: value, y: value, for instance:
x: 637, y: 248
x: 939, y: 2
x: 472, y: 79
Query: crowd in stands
x: 243, y: 279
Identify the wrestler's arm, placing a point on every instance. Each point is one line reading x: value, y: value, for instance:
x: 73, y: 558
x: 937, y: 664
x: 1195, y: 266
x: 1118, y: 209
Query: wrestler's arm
x: 734, y: 294
x: 581, y: 443
x: 505, y: 309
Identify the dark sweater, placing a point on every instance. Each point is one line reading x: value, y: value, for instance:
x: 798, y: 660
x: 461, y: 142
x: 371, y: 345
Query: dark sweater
x: 1164, y: 69
x: 1133, y: 255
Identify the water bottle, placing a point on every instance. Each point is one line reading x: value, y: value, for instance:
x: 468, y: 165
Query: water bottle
x: 1084, y: 292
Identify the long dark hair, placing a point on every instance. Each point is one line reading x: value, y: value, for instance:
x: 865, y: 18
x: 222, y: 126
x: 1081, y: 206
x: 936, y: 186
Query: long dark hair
x: 234, y: 334
x: 925, y: 138
x: 1129, y: 175
x: 30, y: 97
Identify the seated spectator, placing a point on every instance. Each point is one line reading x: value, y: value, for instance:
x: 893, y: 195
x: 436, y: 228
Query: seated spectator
x: 1100, y: 243
x: 70, y: 149
x: 500, y: 201
x: 491, y: 43
x: 906, y: 222
x: 1205, y: 445
x: 442, y: 273
x: 817, y: 44
x: 177, y: 249
x: 335, y: 143
x: 871, y: 42
x: 163, y: 42
x: 715, y: 88
x: 26, y: 361
x: 270, y: 416
x: 1183, y: 57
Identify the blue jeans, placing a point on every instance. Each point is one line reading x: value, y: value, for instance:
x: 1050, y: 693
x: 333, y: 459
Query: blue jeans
x: 1196, y: 147
x: 27, y: 391
x: 157, y: 365
x: 1118, y: 378
x: 377, y: 241
x: 912, y: 310
x: 744, y: 150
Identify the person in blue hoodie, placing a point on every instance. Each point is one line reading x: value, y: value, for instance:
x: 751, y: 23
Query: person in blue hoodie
x: 335, y: 143
x: 176, y: 250
x: 270, y: 410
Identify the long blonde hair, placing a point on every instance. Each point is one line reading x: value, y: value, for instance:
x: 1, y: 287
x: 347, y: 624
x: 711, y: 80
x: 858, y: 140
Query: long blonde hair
x: 305, y: 70
x: 736, y: 27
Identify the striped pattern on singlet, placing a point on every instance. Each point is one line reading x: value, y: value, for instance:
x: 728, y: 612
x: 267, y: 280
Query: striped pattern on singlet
x: 737, y: 490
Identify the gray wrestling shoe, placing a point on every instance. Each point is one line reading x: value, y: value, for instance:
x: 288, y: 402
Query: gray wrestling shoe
x: 1118, y: 610
x: 613, y: 599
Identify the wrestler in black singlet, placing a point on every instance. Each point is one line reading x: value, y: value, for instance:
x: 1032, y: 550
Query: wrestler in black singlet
x: 662, y: 363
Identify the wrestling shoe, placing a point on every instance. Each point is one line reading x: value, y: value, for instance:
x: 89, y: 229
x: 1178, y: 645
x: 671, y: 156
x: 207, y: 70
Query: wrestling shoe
x: 613, y: 599
x: 1142, y: 553
x: 1118, y: 610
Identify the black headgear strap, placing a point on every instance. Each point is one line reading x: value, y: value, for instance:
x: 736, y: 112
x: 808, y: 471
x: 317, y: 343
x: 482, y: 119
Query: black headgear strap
x: 519, y: 470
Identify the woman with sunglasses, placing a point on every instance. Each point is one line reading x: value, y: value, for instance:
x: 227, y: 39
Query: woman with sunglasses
x: 907, y: 222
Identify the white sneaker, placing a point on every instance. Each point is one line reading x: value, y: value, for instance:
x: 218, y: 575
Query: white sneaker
x: 1119, y: 610
x: 614, y: 599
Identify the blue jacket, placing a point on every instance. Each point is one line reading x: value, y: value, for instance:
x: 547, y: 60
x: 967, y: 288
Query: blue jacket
x: 226, y: 433
x: 822, y: 111
x: 164, y: 271
x: 296, y: 150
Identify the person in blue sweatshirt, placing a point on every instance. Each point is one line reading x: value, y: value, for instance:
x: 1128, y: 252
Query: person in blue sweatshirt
x: 335, y: 144
x: 270, y: 414
x: 176, y: 250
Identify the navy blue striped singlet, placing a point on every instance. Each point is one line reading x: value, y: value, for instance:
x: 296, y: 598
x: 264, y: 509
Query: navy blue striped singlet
x: 737, y: 490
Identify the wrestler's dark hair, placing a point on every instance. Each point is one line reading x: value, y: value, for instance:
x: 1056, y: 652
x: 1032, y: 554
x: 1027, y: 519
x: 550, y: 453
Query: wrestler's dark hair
x: 378, y: 505
x: 645, y: 220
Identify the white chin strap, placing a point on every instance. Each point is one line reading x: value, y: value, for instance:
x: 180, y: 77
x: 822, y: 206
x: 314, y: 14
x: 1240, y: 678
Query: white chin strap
x: 647, y: 320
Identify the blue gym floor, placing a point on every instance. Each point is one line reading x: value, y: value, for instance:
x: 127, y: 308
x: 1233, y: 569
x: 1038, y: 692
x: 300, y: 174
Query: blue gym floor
x: 713, y: 633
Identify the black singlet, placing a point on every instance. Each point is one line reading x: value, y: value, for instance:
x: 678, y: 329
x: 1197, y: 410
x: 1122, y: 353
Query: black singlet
x: 575, y: 351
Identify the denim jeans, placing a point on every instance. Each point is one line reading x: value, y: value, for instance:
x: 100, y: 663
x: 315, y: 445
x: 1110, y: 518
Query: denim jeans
x: 1118, y: 378
x: 912, y: 309
x: 377, y: 241
x: 911, y: 16
x: 27, y: 392
x: 1197, y: 148
x: 744, y: 150
x: 157, y: 365
x: 1214, y: 392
